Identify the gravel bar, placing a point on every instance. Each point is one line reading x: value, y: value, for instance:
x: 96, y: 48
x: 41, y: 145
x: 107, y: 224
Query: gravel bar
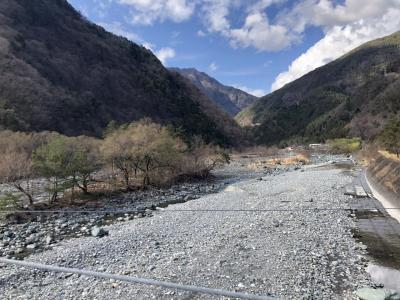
x: 298, y: 254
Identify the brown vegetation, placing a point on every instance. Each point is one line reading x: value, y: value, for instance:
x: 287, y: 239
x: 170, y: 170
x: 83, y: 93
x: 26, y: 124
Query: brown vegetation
x: 280, y: 160
x: 145, y: 148
x: 135, y: 155
x: 16, y: 165
x: 289, y: 161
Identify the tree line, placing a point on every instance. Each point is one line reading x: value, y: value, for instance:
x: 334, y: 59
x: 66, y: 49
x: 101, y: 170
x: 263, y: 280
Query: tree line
x: 134, y: 155
x: 390, y: 136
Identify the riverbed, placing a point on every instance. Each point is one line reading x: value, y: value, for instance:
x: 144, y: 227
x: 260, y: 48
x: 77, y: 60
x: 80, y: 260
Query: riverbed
x: 272, y: 235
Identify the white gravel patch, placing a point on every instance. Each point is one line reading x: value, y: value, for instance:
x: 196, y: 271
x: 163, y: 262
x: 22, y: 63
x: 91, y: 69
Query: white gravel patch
x: 291, y: 255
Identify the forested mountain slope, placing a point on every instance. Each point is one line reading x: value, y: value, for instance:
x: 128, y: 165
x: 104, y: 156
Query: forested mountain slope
x: 353, y: 95
x: 60, y: 72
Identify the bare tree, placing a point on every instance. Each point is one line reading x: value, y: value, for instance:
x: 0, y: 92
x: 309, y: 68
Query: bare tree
x: 143, y: 147
x: 16, y: 161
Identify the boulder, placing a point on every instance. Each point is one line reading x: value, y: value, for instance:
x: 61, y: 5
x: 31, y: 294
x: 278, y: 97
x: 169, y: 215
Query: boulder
x: 32, y: 246
x: 49, y: 239
x: 367, y: 293
x: 189, y: 197
x: 98, y: 232
x: 276, y: 223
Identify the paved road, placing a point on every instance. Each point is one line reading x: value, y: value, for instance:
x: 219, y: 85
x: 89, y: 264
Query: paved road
x: 292, y: 255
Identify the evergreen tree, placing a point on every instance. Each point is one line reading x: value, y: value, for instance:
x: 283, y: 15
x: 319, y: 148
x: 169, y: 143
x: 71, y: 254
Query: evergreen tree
x: 390, y: 137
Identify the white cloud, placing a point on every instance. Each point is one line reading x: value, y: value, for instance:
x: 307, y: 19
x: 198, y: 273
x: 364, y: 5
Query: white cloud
x: 164, y: 54
x: 149, y: 46
x: 254, y: 92
x: 339, y: 40
x: 258, y: 33
x: 262, y: 33
x: 213, y: 67
x: 146, y: 12
x: 201, y: 33
x: 324, y: 13
x: 215, y: 15
x: 345, y: 25
x: 257, y: 92
x: 257, y: 30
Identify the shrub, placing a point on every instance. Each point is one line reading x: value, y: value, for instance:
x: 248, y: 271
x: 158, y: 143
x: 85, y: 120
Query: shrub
x: 16, y: 161
x: 67, y: 162
x: 84, y: 161
x: 10, y: 201
x: 301, y: 159
x: 51, y: 161
x: 390, y: 136
x: 117, y: 149
x: 151, y: 153
x: 143, y: 147
x: 341, y: 146
x: 202, y: 158
x: 111, y: 128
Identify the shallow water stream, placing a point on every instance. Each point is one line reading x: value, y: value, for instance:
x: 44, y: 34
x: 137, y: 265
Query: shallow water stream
x: 379, y: 230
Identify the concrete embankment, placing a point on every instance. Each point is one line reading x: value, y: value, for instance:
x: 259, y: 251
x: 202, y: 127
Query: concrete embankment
x: 383, y: 176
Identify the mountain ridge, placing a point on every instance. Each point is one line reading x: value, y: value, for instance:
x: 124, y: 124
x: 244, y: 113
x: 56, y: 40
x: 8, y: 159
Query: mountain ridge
x: 61, y: 72
x: 351, y: 96
x: 229, y: 98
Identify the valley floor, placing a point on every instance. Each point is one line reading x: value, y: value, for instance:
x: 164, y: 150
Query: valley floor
x: 291, y: 254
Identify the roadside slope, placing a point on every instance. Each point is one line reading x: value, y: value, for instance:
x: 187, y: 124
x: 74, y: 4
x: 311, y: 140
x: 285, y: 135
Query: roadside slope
x: 383, y: 175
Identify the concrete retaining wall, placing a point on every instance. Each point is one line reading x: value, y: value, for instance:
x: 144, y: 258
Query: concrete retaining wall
x: 384, y: 175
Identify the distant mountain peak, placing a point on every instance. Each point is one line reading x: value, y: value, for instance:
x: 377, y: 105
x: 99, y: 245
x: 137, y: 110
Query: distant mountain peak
x: 230, y: 99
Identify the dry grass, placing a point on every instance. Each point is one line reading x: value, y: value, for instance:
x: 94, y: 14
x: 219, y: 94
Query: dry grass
x: 289, y: 161
x: 299, y: 159
x: 389, y: 155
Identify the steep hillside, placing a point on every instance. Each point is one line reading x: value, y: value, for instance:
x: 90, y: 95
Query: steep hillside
x: 230, y: 99
x: 61, y: 72
x: 353, y: 95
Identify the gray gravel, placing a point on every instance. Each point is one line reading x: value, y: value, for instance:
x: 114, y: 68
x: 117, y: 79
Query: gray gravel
x: 290, y: 255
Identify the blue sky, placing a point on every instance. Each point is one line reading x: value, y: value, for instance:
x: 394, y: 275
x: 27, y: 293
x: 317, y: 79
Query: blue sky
x: 257, y: 45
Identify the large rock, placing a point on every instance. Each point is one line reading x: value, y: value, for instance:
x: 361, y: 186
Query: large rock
x: 377, y: 294
x: 98, y: 232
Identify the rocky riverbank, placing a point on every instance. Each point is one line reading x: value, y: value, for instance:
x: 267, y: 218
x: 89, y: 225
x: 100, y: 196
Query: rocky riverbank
x: 25, y: 233
x: 22, y: 234
x: 283, y: 248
